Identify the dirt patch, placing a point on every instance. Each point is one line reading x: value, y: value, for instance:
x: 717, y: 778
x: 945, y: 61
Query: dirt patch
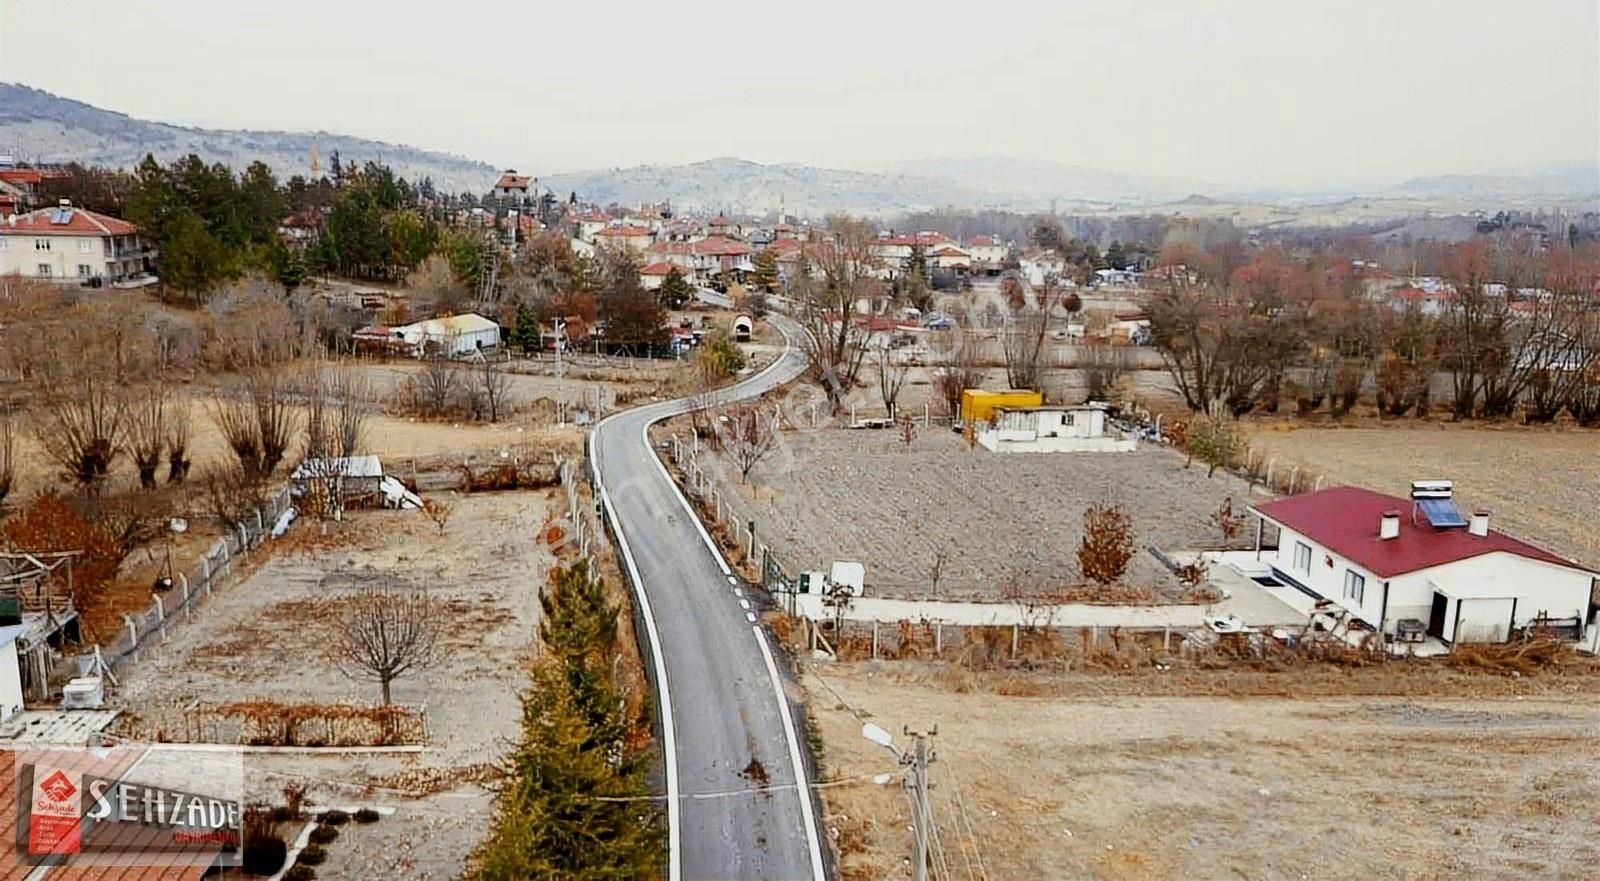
x: 1117, y: 786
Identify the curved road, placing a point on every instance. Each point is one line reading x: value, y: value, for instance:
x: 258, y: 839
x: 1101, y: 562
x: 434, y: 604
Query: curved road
x: 728, y: 731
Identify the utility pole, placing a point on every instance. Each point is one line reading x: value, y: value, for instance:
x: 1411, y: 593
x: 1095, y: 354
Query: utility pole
x: 921, y: 809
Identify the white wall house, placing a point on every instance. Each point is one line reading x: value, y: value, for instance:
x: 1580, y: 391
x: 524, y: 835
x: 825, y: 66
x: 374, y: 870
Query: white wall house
x: 72, y: 245
x: 1052, y: 429
x: 1380, y: 558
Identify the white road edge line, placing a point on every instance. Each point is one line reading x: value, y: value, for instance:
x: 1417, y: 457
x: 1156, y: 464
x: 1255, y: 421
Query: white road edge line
x: 802, y: 781
x: 669, y: 745
x: 669, y: 738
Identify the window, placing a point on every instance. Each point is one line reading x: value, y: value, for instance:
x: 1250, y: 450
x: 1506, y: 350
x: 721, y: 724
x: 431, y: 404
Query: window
x: 1302, y: 557
x: 44, y: 270
x: 1355, y: 586
x: 85, y: 246
x: 85, y: 270
x: 41, y: 244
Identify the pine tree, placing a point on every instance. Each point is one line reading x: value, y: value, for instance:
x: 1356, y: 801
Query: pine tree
x: 525, y: 332
x: 675, y: 290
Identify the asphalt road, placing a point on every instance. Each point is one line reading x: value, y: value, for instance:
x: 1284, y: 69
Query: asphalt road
x: 731, y: 748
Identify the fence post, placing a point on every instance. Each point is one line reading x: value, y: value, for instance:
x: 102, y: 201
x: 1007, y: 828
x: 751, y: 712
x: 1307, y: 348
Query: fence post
x: 261, y: 523
x: 1270, y: 464
x: 750, y: 551
x: 161, y: 609
x: 925, y: 414
x: 244, y: 539
x: 1166, y: 638
x: 133, y: 632
x: 1016, y: 634
x: 874, y: 640
x: 205, y: 568
x: 938, y: 638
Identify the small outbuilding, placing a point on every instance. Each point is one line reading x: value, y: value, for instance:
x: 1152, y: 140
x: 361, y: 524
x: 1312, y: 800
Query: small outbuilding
x: 1077, y: 428
x: 450, y: 337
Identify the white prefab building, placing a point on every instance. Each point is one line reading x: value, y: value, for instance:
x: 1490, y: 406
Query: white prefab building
x: 10, y: 672
x: 1386, y: 560
x: 450, y: 337
x: 1052, y: 429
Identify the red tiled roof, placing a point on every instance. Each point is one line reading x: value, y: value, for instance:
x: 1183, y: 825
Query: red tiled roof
x: 661, y: 268
x: 982, y: 242
x: 1345, y: 519
x: 624, y: 231
x: 509, y: 181
x: 719, y: 246
x: 79, y: 223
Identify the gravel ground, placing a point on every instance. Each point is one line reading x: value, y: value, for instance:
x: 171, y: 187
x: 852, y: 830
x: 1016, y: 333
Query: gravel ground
x: 1002, y: 519
x: 1117, y: 787
x: 263, y: 638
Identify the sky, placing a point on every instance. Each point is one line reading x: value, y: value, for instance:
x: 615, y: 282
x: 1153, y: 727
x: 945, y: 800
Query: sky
x: 1306, y: 94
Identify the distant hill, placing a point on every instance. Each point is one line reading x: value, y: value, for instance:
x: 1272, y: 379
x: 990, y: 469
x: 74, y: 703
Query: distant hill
x: 745, y: 187
x: 36, y: 125
x: 1560, y: 183
x: 1039, y: 182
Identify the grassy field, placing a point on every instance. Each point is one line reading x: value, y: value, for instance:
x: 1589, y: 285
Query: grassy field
x: 1542, y: 485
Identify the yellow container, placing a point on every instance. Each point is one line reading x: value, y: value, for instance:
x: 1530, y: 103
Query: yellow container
x: 978, y: 405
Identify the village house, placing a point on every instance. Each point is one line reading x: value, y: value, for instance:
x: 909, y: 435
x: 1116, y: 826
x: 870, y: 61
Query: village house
x: 1038, y: 265
x: 451, y: 337
x: 70, y: 244
x: 987, y: 251
x: 631, y: 238
x: 949, y: 257
x: 653, y: 276
x: 1051, y: 429
x: 512, y: 186
x: 1419, y: 568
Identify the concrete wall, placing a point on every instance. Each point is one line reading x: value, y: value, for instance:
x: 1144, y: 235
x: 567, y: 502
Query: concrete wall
x: 10, y: 681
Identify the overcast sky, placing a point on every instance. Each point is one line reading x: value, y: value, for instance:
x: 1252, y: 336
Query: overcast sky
x: 1308, y: 93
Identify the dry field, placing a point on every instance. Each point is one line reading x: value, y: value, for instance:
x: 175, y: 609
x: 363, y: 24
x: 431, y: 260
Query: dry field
x: 265, y: 638
x: 1543, y: 485
x: 1002, y: 520
x: 1098, y: 784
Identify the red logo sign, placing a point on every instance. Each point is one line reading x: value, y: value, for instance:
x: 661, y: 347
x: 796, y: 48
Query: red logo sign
x: 58, y: 787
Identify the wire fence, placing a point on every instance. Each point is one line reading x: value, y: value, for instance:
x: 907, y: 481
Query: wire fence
x: 190, y: 589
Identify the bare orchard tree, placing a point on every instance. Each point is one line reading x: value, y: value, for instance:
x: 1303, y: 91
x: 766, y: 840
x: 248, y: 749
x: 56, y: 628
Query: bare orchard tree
x: 956, y: 374
x: 387, y: 632
x: 352, y: 401
x: 893, y: 368
x: 179, y: 418
x: 437, y: 386
x: 1024, y: 337
x: 337, y: 406
x: 147, y: 431
x: 837, y: 345
x: 83, y: 427
x: 259, y: 423
x: 747, y: 432
x: 493, y: 392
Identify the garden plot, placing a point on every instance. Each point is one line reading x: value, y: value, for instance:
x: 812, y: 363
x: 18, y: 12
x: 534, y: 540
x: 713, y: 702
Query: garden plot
x: 265, y: 637
x: 1002, y: 523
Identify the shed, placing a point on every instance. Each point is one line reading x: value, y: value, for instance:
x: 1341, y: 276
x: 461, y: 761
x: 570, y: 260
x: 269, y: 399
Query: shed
x: 978, y: 405
x: 359, y: 475
x: 452, y: 336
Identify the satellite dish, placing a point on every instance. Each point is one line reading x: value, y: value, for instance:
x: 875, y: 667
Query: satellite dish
x: 877, y: 735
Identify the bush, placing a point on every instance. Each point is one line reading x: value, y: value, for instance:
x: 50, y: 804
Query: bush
x: 324, y: 833
x: 264, y: 854
x: 311, y: 855
x: 283, y: 814
x: 334, y: 817
x: 300, y: 873
x: 367, y: 815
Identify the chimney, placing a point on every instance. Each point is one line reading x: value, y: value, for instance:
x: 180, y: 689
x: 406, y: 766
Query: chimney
x: 1480, y: 522
x: 1389, y: 525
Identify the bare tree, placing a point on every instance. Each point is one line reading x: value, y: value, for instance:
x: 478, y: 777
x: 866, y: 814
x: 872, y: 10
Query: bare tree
x: 957, y: 374
x: 1106, y: 367
x: 147, y: 432
x: 387, y: 632
x: 258, y: 423
x: 437, y: 386
x: 1215, y: 438
x: 748, y: 433
x: 352, y: 396
x: 83, y: 427
x: 893, y: 368
x: 837, y: 344
x: 178, y: 423
x: 493, y: 391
